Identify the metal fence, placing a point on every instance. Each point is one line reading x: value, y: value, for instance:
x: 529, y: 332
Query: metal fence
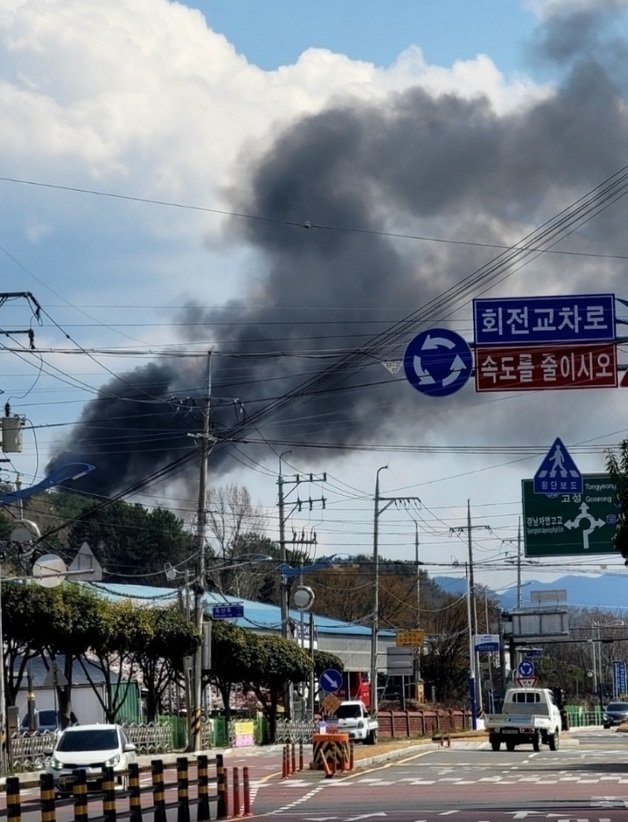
x: 30, y: 752
x: 287, y: 730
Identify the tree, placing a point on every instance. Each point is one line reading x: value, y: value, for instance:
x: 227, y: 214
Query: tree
x: 324, y: 660
x: 231, y: 659
x: 230, y: 515
x: 123, y: 631
x: 618, y: 472
x: 132, y: 543
x: 173, y: 637
x: 273, y: 661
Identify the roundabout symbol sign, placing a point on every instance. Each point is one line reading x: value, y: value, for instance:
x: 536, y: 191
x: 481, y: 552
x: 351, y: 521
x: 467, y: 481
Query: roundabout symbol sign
x: 438, y: 362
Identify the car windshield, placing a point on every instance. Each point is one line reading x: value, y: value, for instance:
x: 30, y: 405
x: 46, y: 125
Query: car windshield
x: 617, y: 706
x: 47, y: 716
x: 99, y: 739
x: 348, y: 711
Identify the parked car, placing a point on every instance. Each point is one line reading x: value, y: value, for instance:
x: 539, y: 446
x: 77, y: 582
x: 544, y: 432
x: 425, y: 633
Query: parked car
x: 89, y: 748
x: 46, y: 719
x: 615, y: 713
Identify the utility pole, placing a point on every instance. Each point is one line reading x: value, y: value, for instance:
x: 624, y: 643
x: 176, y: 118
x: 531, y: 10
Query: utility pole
x: 195, y: 708
x: 375, y: 620
x: 474, y: 694
x: 286, y: 580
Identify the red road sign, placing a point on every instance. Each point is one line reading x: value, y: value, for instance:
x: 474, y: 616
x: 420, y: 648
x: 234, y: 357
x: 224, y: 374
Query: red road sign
x: 530, y: 368
x: 526, y: 681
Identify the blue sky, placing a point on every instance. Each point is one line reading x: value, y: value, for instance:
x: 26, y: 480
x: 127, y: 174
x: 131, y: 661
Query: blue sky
x: 172, y: 184
x: 276, y: 33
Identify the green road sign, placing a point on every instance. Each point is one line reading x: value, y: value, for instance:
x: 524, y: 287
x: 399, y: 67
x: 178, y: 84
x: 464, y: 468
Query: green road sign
x: 570, y: 524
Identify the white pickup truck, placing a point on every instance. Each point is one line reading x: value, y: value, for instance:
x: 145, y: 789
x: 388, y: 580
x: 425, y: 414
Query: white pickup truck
x: 529, y: 715
x: 354, y: 719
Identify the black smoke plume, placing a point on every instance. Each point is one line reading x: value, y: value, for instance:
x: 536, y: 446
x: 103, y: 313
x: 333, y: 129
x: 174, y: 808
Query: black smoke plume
x: 341, y: 282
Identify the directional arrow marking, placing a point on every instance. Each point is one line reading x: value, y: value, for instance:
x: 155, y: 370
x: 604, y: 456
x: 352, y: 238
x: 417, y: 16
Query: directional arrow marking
x: 437, y: 342
x: 457, y: 366
x: 425, y: 378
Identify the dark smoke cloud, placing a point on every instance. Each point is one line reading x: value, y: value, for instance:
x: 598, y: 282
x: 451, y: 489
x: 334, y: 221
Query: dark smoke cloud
x: 446, y: 167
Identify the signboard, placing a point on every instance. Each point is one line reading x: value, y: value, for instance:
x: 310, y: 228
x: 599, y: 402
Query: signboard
x: 558, y: 472
x: 532, y: 652
x: 399, y: 661
x: 570, y: 318
x: 330, y: 680
x: 486, y: 643
x: 227, y: 611
x: 570, y: 524
x: 437, y: 362
x: 619, y: 677
x: 539, y: 624
x: 526, y: 681
x: 532, y: 368
x: 331, y: 703
x: 414, y: 637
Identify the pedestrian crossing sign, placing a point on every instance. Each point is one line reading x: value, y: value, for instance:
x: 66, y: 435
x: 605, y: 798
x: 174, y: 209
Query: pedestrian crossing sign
x: 558, y: 473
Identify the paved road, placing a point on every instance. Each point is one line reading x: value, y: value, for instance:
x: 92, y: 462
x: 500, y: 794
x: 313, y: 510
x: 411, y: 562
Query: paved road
x: 585, y: 781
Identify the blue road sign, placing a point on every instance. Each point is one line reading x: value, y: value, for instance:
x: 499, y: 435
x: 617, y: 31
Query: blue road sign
x: 438, y: 362
x: 227, y: 611
x: 619, y: 678
x: 532, y: 652
x: 486, y: 643
x: 537, y: 320
x: 330, y: 680
x: 526, y: 669
x: 558, y: 473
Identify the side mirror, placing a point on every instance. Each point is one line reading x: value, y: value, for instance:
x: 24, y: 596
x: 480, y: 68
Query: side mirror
x: 129, y: 748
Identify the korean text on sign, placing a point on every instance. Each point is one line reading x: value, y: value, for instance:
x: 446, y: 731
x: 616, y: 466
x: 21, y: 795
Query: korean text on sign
x: 535, y: 320
x: 519, y: 368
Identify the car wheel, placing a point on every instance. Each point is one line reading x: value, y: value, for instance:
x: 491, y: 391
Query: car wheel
x: 536, y: 742
x: 553, y: 741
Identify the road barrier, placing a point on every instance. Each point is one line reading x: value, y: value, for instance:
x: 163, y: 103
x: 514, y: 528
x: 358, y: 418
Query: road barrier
x: 331, y: 753
x: 128, y: 804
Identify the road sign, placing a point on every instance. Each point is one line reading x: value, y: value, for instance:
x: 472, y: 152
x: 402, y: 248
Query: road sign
x: 538, y: 367
x: 558, y: 472
x: 399, y: 661
x: 437, y: 362
x: 227, y: 611
x: 619, y: 677
x: 525, y: 668
x: 414, y: 637
x: 569, y: 318
x: 526, y: 681
x: 330, y: 680
x: 486, y: 643
x: 532, y: 652
x: 571, y: 524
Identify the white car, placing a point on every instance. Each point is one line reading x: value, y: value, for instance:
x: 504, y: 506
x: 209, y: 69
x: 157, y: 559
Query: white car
x: 89, y: 748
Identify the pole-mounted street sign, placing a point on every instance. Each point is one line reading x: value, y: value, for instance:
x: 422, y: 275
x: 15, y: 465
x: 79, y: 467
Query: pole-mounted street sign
x: 437, y: 362
x: 558, y: 473
x: 568, y: 318
x: 571, y: 524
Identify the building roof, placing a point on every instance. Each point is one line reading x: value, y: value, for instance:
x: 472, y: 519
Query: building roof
x: 257, y: 615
